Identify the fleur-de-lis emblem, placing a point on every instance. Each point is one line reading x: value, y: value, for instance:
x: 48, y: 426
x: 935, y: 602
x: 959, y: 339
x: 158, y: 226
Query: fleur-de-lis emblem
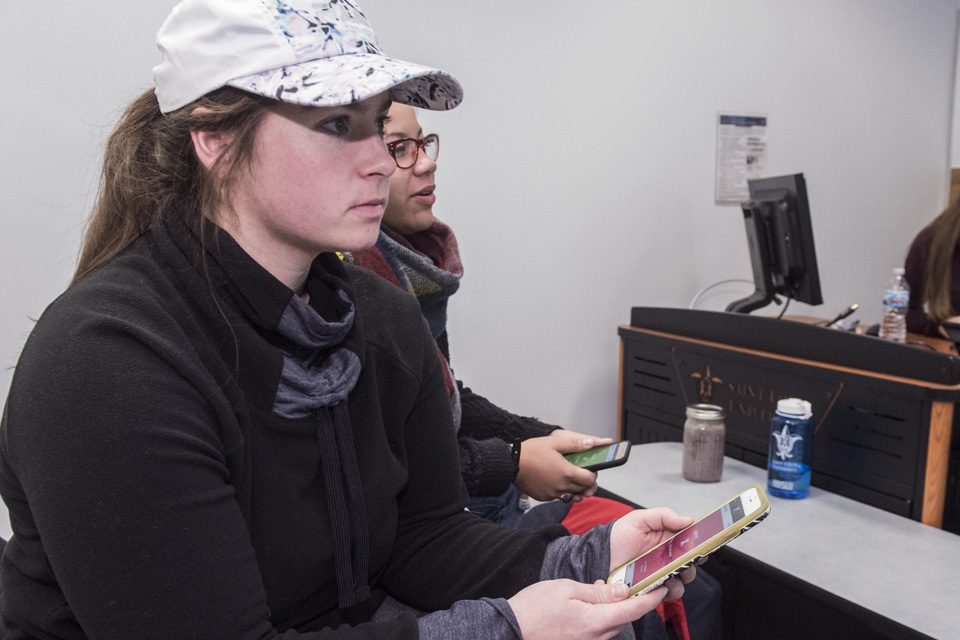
x: 706, y: 384
x: 785, y: 441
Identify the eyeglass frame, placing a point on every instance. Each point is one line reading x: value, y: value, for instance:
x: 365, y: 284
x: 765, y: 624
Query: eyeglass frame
x: 420, y: 143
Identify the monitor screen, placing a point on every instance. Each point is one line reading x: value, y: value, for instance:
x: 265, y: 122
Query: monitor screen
x: 780, y: 239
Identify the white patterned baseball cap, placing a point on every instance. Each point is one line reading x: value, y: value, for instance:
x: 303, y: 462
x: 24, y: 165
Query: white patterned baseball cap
x: 310, y: 52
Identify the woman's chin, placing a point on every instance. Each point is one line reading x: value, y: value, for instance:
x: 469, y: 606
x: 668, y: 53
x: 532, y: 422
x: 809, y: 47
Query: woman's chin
x: 411, y: 224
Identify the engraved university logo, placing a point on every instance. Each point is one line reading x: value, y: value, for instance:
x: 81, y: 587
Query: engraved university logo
x: 707, y: 381
x: 785, y: 441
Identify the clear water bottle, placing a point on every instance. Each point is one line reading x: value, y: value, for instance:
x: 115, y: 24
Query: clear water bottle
x: 791, y: 446
x: 896, y: 297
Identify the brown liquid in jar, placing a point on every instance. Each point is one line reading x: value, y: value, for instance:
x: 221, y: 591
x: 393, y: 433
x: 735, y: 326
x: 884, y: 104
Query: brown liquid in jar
x: 704, y: 434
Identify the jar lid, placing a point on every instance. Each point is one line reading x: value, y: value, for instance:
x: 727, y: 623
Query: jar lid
x: 794, y: 408
x: 705, y: 411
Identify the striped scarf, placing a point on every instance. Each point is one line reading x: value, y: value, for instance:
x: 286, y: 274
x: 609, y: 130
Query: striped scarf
x: 426, y: 265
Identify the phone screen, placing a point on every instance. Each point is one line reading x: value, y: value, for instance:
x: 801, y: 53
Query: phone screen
x: 593, y: 456
x: 700, y: 531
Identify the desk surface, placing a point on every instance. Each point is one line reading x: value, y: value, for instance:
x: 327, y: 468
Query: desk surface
x: 891, y: 565
x: 924, y: 342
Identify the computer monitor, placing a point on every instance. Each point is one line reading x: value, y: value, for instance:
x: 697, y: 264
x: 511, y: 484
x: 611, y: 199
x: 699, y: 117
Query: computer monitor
x: 780, y: 239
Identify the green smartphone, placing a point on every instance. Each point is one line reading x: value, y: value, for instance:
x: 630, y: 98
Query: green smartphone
x: 602, y: 457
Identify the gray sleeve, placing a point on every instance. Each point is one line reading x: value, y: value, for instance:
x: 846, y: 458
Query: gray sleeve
x: 484, y: 619
x: 584, y: 558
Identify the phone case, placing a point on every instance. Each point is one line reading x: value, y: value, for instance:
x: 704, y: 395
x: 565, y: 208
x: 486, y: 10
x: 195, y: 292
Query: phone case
x: 698, y: 553
x: 616, y: 462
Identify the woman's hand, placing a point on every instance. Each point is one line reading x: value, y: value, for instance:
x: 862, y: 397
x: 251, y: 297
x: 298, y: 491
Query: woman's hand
x: 564, y: 609
x: 641, y: 530
x: 546, y: 475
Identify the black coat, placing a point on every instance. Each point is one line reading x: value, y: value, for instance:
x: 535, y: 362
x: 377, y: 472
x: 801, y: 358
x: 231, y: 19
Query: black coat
x: 153, y: 493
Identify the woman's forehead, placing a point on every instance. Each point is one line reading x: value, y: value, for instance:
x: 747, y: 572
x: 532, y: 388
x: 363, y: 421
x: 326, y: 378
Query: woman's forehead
x: 403, y: 121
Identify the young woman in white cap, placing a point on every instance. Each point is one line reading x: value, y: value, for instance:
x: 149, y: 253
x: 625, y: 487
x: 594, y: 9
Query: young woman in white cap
x: 222, y: 431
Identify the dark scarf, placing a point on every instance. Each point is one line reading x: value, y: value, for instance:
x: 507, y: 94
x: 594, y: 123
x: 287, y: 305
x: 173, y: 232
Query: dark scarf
x: 427, y: 265
x: 320, y: 343
x: 318, y: 374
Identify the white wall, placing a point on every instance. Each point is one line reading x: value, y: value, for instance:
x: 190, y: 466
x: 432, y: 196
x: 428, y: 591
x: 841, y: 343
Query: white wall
x: 579, y: 171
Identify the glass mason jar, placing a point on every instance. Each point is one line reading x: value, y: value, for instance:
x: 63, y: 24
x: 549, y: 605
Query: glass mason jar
x: 703, y: 439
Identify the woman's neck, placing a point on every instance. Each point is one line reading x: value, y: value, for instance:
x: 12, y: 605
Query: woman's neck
x: 284, y: 262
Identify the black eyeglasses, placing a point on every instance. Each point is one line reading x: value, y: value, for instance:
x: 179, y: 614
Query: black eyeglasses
x: 405, y: 151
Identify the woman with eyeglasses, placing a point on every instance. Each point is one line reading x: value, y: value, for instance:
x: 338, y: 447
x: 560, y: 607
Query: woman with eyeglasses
x: 220, y: 430
x: 419, y: 253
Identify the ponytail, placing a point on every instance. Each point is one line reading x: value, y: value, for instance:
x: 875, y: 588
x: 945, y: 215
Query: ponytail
x: 149, y: 164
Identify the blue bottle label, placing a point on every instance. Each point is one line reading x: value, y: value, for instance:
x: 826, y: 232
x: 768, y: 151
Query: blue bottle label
x: 896, y: 298
x: 789, y: 459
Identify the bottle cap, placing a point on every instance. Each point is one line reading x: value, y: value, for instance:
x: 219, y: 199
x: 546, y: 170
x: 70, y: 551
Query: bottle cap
x: 705, y: 411
x: 794, y: 408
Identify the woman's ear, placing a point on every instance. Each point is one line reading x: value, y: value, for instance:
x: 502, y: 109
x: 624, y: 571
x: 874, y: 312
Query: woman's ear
x: 209, y: 146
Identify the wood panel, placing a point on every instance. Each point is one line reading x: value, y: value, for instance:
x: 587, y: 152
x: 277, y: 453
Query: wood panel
x: 938, y: 462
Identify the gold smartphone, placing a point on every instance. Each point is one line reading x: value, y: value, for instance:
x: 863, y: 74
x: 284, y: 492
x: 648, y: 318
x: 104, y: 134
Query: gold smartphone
x: 703, y: 537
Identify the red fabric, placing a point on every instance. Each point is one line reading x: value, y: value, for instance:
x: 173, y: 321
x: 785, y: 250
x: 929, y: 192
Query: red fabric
x: 590, y: 512
x: 674, y: 612
x: 372, y: 259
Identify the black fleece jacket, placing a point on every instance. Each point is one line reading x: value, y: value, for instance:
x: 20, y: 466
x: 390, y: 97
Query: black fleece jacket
x: 153, y: 494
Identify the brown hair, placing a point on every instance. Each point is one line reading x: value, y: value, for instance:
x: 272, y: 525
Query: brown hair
x: 936, y: 288
x: 149, y: 163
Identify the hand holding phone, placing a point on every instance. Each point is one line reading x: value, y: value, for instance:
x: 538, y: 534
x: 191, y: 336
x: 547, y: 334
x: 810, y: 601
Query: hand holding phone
x: 703, y: 537
x: 545, y: 474
x: 602, y: 457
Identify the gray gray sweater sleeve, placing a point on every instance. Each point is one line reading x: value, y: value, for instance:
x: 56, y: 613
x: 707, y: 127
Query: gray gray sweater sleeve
x: 484, y: 619
x: 584, y: 558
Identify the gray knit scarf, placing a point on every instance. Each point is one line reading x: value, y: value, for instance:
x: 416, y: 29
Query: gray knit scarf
x: 318, y: 374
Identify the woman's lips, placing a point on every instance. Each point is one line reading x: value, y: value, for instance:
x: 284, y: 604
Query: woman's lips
x: 426, y: 196
x: 370, y: 208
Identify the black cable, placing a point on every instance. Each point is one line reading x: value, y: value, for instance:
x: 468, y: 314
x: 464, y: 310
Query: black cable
x: 840, y: 316
x: 785, y: 307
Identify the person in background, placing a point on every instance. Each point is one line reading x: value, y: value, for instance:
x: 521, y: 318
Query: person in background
x: 419, y: 253
x: 502, y: 455
x: 932, y: 269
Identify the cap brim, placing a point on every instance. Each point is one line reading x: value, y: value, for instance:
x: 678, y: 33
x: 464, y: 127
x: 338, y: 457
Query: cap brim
x: 348, y: 78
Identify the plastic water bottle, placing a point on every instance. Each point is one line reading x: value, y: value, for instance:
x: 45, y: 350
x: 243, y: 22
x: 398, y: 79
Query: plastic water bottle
x: 896, y: 297
x: 791, y: 446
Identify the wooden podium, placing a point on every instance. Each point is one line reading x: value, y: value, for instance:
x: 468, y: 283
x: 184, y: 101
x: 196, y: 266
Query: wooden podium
x: 883, y: 412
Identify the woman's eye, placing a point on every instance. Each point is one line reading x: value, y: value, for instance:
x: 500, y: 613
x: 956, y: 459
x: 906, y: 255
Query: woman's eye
x: 338, y: 126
